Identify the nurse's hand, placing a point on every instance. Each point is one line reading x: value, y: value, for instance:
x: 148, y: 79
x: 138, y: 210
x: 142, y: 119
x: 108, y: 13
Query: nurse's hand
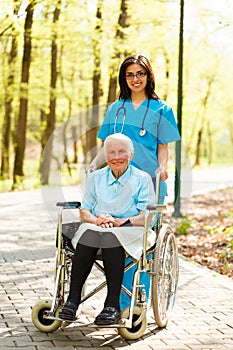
x: 163, y: 173
x: 90, y: 168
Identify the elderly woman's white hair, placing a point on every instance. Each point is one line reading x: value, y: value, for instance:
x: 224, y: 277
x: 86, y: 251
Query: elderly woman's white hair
x: 121, y: 137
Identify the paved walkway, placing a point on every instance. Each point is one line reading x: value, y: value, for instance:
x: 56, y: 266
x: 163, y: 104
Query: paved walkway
x: 202, y: 319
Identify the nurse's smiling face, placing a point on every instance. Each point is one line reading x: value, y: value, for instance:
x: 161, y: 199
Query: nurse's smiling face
x: 136, y: 77
x: 118, y: 157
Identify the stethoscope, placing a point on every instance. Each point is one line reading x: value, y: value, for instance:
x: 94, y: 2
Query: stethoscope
x: 142, y: 132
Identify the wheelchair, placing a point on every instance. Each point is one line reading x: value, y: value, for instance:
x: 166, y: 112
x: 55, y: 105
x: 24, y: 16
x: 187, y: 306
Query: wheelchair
x: 160, y: 262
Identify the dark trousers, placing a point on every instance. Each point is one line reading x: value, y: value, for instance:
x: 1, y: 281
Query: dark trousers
x: 84, y: 257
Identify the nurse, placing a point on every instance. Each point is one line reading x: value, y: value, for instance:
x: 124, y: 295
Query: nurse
x: 141, y: 115
x: 148, y: 121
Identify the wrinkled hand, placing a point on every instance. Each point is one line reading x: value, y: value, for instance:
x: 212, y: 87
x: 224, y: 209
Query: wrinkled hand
x: 163, y: 173
x: 105, y: 220
x: 119, y: 221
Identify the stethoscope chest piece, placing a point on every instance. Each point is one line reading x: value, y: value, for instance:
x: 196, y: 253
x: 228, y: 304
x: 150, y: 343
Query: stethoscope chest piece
x: 142, y: 132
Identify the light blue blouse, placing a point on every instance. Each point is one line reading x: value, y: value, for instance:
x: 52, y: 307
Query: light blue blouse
x: 121, y: 198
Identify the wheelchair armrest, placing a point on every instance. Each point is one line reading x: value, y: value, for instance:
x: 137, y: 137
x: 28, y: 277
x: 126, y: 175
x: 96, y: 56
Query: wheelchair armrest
x: 69, y: 205
x: 156, y: 208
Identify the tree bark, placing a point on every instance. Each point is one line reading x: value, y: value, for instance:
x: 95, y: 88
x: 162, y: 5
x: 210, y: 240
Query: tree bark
x: 96, y: 86
x: 88, y: 139
x: 20, y: 134
x: 210, y: 144
x: 117, y: 54
x: 203, y: 121
x: 5, y: 159
x: 6, y: 129
x: 47, y: 144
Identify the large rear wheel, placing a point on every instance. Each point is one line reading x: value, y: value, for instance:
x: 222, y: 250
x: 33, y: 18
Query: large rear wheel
x: 165, y: 275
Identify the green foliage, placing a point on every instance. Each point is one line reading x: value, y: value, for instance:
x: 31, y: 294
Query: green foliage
x: 152, y: 33
x: 5, y: 185
x: 185, y: 225
x: 211, y: 229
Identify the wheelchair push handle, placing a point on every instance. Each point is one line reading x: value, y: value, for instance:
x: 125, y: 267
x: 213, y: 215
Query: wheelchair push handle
x: 69, y: 205
x: 157, y: 208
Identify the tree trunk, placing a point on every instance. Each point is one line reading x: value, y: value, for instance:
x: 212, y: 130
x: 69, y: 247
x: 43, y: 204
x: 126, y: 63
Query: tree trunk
x: 210, y: 144
x: 198, y: 148
x: 96, y: 85
x: 5, y: 158
x: 20, y: 134
x: 89, y: 141
x: 51, y: 117
x: 167, y: 73
x: 6, y: 129
x: 5, y: 167
x: 117, y: 54
x: 203, y: 121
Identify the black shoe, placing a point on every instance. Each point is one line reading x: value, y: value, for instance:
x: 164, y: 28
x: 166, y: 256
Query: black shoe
x: 108, y: 316
x: 68, y: 311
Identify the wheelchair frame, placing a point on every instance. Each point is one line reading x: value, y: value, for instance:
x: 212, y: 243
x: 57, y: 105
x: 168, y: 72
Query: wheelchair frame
x: 163, y: 268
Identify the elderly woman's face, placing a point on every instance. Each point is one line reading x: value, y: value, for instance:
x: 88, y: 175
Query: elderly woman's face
x: 117, y: 156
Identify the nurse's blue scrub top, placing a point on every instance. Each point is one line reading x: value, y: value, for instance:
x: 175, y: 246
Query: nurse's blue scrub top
x: 159, y: 124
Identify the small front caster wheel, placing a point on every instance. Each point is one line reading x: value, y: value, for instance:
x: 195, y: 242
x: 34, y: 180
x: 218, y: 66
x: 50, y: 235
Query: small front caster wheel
x: 40, y: 322
x: 136, y: 331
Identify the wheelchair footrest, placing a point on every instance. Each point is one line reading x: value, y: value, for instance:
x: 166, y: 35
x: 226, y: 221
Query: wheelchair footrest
x: 76, y: 320
x: 117, y: 325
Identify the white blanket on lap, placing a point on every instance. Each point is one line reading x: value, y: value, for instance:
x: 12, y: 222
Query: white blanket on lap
x: 131, y: 238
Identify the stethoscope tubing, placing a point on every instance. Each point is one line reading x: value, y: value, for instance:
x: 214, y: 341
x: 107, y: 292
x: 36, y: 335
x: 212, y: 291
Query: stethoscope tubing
x: 122, y: 107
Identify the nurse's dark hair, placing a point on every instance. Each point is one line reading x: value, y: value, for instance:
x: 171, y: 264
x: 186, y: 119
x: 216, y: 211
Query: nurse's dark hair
x: 125, y: 91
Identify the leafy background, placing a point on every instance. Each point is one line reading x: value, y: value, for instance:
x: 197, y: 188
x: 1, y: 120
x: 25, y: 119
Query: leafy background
x: 82, y: 43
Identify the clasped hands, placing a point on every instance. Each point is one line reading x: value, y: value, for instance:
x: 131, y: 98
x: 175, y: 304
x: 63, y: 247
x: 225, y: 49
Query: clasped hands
x: 107, y: 221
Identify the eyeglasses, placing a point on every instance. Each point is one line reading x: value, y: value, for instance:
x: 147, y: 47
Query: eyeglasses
x: 139, y: 75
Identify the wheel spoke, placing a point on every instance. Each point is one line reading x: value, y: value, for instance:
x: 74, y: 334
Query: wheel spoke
x: 164, y: 275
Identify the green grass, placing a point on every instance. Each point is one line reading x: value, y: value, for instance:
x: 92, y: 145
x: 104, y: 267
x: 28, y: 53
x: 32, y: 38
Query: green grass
x: 30, y: 181
x: 31, y: 178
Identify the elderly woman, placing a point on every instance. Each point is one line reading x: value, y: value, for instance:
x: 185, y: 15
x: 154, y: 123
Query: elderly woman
x: 115, y: 198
